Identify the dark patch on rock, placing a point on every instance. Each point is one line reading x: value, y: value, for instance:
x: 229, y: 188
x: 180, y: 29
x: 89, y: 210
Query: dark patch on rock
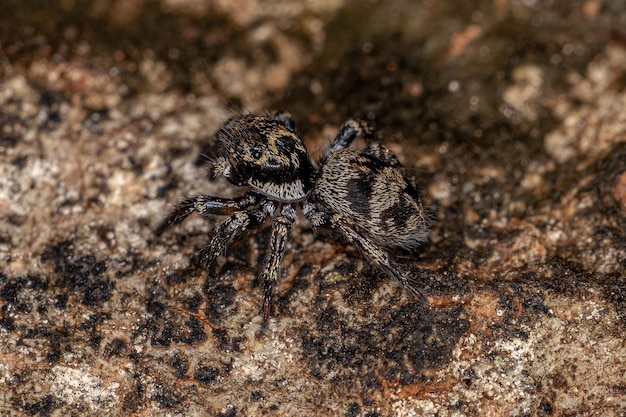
x: 438, y: 283
x: 206, y: 375
x: 614, y: 290
x: 361, y: 285
x: 194, y: 332
x: 50, y: 101
x: 165, y: 326
x: 12, y: 291
x: 180, y: 365
x: 194, y: 302
x: 180, y: 276
x: 10, y: 126
x: 167, y: 399
x: 572, y: 277
x: 97, y: 292
x: 402, y: 342
x: 8, y: 323
x: 172, y: 327
x: 133, y: 400
x: 346, y: 268
x: 353, y: 410
x: 219, y: 300
x: 83, y: 275
x: 43, y: 408
x: 9, y: 294
x: 20, y: 161
x: 225, y: 342
x: 60, y: 301
x: 17, y: 219
x: 90, y: 326
x: 115, y: 347
x: 155, y: 308
x: 132, y: 264
x: 256, y: 396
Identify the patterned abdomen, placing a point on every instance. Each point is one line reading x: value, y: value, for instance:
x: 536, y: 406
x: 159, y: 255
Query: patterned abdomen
x: 368, y: 189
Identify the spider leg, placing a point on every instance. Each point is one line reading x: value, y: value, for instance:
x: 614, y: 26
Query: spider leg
x: 233, y: 228
x: 281, y: 228
x: 206, y: 206
x: 375, y: 255
x: 347, y: 133
x: 286, y: 120
x: 381, y: 153
x: 380, y: 258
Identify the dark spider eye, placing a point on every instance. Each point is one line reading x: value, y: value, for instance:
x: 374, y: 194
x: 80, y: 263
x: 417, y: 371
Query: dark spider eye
x: 255, y: 152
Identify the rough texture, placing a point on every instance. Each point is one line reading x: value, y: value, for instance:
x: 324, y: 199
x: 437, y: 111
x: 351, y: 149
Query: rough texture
x: 510, y: 115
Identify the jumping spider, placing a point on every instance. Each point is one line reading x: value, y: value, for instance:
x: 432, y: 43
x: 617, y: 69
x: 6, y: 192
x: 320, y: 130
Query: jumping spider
x: 361, y: 194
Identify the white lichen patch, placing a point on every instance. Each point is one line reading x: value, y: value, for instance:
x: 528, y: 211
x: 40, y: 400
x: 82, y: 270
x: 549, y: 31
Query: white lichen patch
x: 80, y: 387
x: 268, y: 361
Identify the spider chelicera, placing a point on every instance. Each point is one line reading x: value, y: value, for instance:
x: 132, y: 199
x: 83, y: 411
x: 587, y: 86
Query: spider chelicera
x: 361, y: 194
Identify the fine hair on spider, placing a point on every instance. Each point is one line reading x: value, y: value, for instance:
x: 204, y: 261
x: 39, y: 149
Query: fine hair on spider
x: 362, y: 195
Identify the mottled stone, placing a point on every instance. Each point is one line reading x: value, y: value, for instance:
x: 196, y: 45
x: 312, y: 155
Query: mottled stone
x: 509, y: 116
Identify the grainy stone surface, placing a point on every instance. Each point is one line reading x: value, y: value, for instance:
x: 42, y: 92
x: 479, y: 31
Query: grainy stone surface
x: 509, y: 114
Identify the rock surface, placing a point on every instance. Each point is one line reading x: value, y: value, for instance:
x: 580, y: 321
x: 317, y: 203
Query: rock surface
x: 510, y: 116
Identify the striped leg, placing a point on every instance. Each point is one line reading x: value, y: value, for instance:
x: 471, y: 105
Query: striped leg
x: 206, y: 206
x: 233, y: 229
x: 270, y: 273
x: 347, y: 133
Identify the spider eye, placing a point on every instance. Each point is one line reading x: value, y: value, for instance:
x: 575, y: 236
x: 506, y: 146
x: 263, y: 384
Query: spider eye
x: 255, y: 152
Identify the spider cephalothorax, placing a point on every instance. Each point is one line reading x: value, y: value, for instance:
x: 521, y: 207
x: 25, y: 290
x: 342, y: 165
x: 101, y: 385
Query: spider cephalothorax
x: 266, y: 155
x: 361, y: 194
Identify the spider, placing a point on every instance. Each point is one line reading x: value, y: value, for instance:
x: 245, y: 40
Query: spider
x: 363, y: 195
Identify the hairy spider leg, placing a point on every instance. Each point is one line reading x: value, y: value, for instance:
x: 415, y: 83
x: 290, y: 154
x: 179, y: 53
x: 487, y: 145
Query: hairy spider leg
x: 285, y: 119
x: 347, y: 133
x: 206, y: 205
x: 376, y: 256
x: 281, y: 228
x: 233, y: 229
x: 381, y: 153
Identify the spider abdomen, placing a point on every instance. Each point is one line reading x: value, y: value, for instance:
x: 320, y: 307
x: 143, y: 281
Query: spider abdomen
x: 368, y: 189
